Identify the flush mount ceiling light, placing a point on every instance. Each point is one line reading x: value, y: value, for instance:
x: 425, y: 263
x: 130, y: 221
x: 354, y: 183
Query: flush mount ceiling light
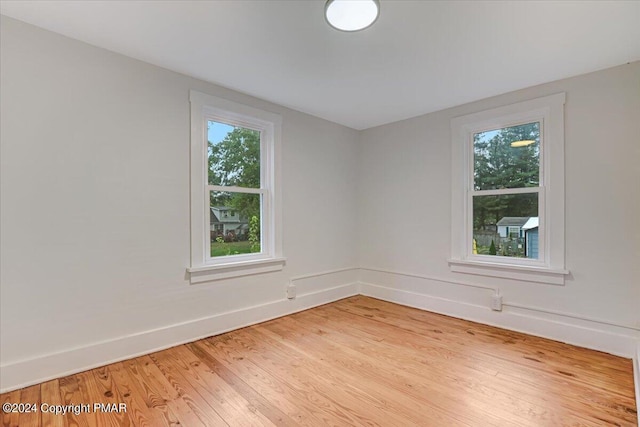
x: 522, y: 143
x: 351, y: 15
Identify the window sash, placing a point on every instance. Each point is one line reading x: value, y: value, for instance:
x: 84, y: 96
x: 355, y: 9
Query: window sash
x: 497, y: 125
x: 536, y: 262
x: 237, y: 121
x: 266, y: 247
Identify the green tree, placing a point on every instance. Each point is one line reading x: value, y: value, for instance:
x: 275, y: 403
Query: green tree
x: 236, y: 161
x: 492, y: 248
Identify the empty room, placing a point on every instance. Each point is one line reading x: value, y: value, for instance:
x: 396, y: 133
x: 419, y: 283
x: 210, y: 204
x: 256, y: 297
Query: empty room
x: 319, y: 212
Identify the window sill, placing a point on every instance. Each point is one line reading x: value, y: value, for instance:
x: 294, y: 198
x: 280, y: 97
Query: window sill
x: 508, y: 271
x: 210, y: 273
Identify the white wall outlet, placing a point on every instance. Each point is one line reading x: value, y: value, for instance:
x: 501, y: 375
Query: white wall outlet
x: 496, y: 302
x: 291, y: 291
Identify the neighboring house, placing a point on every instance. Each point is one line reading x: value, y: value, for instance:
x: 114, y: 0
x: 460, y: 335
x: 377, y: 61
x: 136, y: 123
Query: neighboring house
x: 531, y: 237
x: 224, y: 220
x: 511, y: 226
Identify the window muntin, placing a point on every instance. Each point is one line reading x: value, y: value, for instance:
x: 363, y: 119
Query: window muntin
x: 505, y: 189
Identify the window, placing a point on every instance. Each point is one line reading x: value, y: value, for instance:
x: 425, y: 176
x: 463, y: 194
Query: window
x: 508, y: 191
x: 235, y: 208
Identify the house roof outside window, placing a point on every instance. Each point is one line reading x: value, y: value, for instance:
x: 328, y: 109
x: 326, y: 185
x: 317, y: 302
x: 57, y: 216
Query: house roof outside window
x: 513, y: 221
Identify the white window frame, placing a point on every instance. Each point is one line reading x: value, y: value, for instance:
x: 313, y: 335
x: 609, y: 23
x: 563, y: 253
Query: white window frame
x: 550, y: 266
x: 204, y: 268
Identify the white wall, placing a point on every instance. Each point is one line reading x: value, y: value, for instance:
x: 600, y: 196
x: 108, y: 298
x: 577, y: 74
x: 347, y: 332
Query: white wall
x: 95, y: 209
x: 406, y: 165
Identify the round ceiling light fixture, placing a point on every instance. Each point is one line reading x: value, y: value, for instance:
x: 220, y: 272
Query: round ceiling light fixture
x: 351, y: 15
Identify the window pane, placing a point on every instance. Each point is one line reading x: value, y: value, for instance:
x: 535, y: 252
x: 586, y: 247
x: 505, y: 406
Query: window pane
x: 507, y: 157
x: 234, y: 155
x: 234, y: 220
x: 506, y: 225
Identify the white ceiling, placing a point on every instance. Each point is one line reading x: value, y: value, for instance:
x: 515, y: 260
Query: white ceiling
x: 419, y: 57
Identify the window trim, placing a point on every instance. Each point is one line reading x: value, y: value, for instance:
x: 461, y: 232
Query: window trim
x: 203, y: 268
x: 550, y: 266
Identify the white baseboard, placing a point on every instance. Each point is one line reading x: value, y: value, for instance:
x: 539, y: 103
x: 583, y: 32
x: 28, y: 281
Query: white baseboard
x: 588, y: 334
x: 55, y: 365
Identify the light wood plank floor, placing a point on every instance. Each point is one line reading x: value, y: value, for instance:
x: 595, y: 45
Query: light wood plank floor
x: 358, y: 361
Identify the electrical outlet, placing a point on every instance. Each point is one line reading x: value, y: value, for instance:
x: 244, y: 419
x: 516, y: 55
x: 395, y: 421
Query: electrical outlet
x: 291, y: 291
x: 496, y: 302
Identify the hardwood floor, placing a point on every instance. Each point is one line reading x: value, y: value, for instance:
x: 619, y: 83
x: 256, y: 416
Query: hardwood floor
x: 357, y: 361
